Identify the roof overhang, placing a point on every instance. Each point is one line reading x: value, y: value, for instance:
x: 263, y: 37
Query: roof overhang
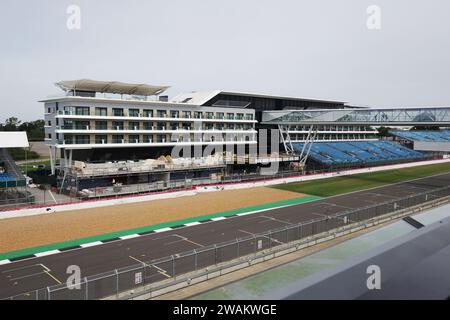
x: 111, y: 87
x: 14, y: 139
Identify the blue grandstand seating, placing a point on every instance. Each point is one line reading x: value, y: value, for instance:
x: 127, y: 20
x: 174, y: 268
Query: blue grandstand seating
x: 358, y: 152
x: 5, y: 177
x: 426, y: 135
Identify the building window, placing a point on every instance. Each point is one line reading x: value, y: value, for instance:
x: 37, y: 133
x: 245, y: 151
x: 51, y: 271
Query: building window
x: 197, y: 115
x: 101, y: 139
x: 240, y: 116
x: 81, y: 125
x: 174, y: 114
x: 147, y: 138
x: 161, y: 138
x: 82, y: 139
x: 133, y: 112
x: 68, y: 124
x: 248, y: 116
x: 117, y: 138
x: 101, y: 125
x: 148, y: 113
x: 117, y: 112
x: 186, y: 126
x: 230, y: 126
x: 161, y: 113
x: 209, y: 115
x: 117, y: 125
x: 49, y: 135
x: 220, y: 115
x: 101, y: 112
x: 230, y: 116
x: 68, y: 139
x: 160, y: 126
x: 49, y: 123
x: 187, y: 114
x: 133, y: 138
x: 133, y: 125
x: 82, y: 111
x: 148, y: 125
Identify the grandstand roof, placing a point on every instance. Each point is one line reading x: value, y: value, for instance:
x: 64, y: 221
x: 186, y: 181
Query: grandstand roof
x: 202, y: 97
x: 110, y: 87
x: 14, y: 140
x: 376, y: 116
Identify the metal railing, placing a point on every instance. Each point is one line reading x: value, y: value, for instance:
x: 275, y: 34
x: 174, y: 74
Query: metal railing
x: 166, y: 271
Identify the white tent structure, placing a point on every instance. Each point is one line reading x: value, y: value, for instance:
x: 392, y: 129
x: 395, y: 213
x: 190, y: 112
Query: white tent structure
x: 13, y: 139
x: 110, y: 87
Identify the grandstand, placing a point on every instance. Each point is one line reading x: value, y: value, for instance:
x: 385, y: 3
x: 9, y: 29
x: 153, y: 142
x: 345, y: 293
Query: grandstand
x: 424, y: 135
x: 359, y: 153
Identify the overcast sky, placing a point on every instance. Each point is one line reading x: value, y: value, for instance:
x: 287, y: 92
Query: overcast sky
x: 318, y: 49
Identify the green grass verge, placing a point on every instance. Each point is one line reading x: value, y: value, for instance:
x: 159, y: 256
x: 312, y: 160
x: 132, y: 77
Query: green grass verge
x: 340, y: 185
x: 77, y: 242
x: 30, y: 165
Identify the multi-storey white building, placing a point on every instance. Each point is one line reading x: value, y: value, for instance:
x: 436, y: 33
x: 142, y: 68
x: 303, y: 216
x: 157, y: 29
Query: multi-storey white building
x: 86, y: 125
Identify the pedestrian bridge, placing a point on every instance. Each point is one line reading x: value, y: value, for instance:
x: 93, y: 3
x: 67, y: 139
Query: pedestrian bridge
x: 435, y: 116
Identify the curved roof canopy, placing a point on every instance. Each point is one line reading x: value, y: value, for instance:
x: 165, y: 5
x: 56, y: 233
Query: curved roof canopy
x: 110, y: 87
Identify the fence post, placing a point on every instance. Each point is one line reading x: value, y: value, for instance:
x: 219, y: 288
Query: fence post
x: 299, y: 231
x: 195, y: 260
x: 117, y: 282
x: 270, y: 238
x: 48, y: 294
x: 173, y: 266
x: 87, y: 290
x: 237, y: 248
x: 215, y: 254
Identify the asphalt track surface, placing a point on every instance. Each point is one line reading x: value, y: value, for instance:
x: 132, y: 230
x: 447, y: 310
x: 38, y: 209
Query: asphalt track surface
x: 37, y: 273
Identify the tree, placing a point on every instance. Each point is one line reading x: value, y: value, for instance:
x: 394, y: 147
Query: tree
x: 424, y: 128
x: 11, y: 124
x: 34, y: 129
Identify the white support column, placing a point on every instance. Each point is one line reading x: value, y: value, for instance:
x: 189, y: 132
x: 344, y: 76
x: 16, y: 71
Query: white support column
x: 312, y: 133
x: 287, y: 143
x: 52, y: 159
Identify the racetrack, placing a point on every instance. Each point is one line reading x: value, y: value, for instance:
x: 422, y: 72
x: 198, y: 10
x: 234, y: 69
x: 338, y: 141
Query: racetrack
x: 27, y: 232
x: 35, y: 273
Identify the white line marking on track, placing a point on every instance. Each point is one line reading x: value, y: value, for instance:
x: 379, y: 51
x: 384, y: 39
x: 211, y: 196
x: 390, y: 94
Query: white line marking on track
x: 91, y: 244
x: 46, y: 253
x: 163, y: 229
x: 275, y: 219
x: 130, y: 236
x: 218, y: 218
x: 186, y: 239
x: 53, y: 277
x: 190, y: 224
x: 160, y: 270
x: 2, y: 262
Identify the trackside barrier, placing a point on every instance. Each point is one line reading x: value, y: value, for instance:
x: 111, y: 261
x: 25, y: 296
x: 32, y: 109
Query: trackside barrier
x: 156, y: 277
